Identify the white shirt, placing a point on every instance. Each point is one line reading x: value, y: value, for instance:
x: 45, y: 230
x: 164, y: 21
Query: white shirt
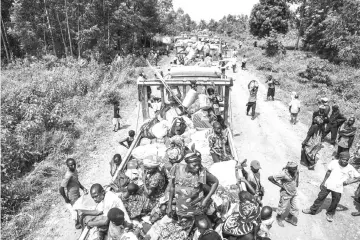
x: 295, y: 106
x: 112, y: 201
x: 339, y: 175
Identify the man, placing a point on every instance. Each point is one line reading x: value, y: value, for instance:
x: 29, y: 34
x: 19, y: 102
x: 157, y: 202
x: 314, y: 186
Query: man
x: 115, y: 163
x: 355, y: 162
x: 294, y: 109
x: 271, y: 90
x: 117, y: 226
x: 128, y: 139
x: 334, y: 121
x: 252, y: 101
x: 325, y: 102
x: 253, y: 176
x: 339, y: 174
x: 72, y: 184
x: 99, y: 217
x: 346, y: 136
x: 288, y: 181
x: 117, y: 117
x: 321, y: 113
x: 217, y: 141
x: 243, y: 62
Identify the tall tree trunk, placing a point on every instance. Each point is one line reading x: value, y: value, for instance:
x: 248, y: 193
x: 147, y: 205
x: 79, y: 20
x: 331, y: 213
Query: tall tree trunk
x: 4, y: 40
x: 49, y: 25
x: 68, y: 28
x: 79, y: 35
x: 108, y: 23
x: 62, y: 36
x: 302, y: 10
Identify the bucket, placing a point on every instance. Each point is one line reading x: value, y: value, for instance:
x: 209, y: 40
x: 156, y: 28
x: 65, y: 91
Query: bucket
x: 189, y: 98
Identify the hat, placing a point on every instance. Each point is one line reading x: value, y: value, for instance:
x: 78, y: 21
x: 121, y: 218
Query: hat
x: 291, y: 164
x: 344, y: 155
x: 150, y: 162
x: 325, y: 99
x: 255, y: 164
x: 321, y: 107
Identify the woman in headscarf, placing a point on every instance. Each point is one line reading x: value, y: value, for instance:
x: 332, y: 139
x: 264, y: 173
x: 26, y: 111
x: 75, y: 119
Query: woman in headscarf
x: 312, y: 144
x: 154, y: 180
x: 187, y: 185
x: 346, y: 136
x: 243, y: 224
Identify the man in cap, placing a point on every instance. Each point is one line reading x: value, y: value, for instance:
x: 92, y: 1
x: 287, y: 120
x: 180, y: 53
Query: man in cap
x: 253, y: 177
x: 288, y: 181
x: 294, y: 108
x: 334, y: 122
x: 347, y: 133
x: 340, y: 173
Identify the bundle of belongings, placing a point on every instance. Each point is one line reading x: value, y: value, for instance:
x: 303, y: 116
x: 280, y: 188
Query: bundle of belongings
x: 180, y: 183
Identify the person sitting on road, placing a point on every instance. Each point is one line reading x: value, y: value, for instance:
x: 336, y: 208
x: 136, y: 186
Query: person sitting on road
x: 129, y: 139
x: 72, y: 185
x: 115, y: 163
x: 99, y: 217
x: 217, y: 143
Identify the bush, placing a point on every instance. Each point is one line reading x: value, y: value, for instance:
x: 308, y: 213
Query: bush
x: 273, y: 46
x: 317, y: 72
x: 266, y: 66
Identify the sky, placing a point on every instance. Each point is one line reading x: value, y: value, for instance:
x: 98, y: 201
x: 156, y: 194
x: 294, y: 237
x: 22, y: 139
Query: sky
x: 216, y: 9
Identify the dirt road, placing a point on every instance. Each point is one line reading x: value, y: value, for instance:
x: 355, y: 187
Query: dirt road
x: 272, y: 140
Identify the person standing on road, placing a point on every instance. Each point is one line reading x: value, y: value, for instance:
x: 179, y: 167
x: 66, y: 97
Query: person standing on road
x: 271, y: 90
x: 294, y: 109
x: 338, y: 175
x: 311, y: 144
x: 355, y: 162
x: 252, y: 100
x: 117, y: 117
x: 321, y: 113
x: 243, y: 62
x: 346, y: 136
x: 288, y: 181
x: 335, y: 120
x: 325, y: 102
x: 253, y: 176
x: 72, y: 185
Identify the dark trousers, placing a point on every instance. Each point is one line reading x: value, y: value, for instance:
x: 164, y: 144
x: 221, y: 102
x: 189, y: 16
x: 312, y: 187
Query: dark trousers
x: 251, y: 105
x: 271, y: 92
x: 335, y: 199
x: 333, y: 130
x: 215, y: 157
x: 341, y: 149
x: 243, y: 65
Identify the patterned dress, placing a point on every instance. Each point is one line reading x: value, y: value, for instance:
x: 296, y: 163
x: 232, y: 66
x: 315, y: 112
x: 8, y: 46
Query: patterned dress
x: 188, y: 190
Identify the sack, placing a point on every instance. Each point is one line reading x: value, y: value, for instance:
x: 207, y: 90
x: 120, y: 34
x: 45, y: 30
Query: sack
x: 204, y: 101
x: 178, y: 122
x: 141, y: 152
x: 189, y: 98
x: 146, y: 128
x: 224, y: 172
x: 160, y: 129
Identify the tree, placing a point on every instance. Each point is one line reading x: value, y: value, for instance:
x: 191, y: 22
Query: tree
x: 269, y: 15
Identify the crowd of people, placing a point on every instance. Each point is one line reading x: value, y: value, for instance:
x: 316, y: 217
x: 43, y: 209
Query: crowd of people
x: 175, y: 197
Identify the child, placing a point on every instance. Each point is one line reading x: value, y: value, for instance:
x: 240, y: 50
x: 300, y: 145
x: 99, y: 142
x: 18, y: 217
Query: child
x: 215, y: 100
x: 115, y: 163
x: 128, y: 139
x: 266, y: 222
x: 117, y: 117
x: 117, y: 226
x: 294, y: 109
x: 135, y: 203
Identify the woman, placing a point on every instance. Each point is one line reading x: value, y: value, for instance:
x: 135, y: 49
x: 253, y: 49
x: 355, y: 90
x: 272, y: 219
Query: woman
x: 346, y: 136
x: 243, y: 224
x: 154, y: 180
x: 187, y: 185
x: 312, y: 144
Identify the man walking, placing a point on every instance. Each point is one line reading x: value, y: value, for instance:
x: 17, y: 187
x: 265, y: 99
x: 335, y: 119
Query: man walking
x: 335, y: 120
x: 271, y: 90
x: 253, y: 90
x: 243, y: 62
x: 72, y: 185
x: 288, y: 181
x: 338, y: 175
x: 294, y: 109
x: 321, y: 113
x: 117, y: 117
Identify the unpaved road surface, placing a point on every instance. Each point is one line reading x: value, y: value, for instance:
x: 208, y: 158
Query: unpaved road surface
x: 270, y: 138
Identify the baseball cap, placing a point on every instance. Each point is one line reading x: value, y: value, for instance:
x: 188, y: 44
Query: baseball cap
x: 255, y: 164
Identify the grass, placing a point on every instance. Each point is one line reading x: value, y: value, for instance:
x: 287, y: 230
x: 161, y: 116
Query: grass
x: 344, y: 91
x: 78, y: 99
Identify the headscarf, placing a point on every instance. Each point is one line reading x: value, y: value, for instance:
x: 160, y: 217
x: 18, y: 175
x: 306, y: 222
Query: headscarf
x: 192, y: 157
x: 292, y: 164
x: 150, y: 162
x: 249, y: 208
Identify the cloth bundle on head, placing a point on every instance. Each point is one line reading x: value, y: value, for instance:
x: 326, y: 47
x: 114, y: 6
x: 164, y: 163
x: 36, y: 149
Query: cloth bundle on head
x: 322, y: 107
x: 150, y: 162
x: 292, y: 164
x: 344, y: 155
